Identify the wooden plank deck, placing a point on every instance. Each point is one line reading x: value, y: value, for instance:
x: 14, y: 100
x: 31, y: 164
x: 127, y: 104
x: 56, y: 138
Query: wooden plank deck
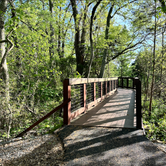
x: 116, y: 111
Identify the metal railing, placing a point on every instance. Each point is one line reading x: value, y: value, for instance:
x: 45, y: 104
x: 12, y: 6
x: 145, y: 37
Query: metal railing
x: 95, y: 90
x: 92, y: 92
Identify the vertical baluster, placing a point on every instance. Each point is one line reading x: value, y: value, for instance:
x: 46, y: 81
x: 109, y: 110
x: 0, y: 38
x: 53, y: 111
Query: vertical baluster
x: 127, y: 82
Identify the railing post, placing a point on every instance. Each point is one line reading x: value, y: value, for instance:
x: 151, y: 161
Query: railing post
x: 101, y: 92
x: 119, y: 82
x: 94, y: 91
x: 84, y: 96
x: 105, y: 87
x: 112, y: 84
x: 133, y: 83
x: 67, y: 107
x: 127, y: 82
x: 138, y: 103
x: 122, y: 82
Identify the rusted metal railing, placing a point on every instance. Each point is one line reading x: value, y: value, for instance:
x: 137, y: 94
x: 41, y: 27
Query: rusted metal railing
x: 91, y: 92
x: 133, y: 83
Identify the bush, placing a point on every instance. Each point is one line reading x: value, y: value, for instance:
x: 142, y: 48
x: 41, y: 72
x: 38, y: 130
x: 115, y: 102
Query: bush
x: 155, y: 125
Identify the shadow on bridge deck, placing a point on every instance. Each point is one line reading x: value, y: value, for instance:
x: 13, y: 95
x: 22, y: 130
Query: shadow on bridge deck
x: 116, y: 111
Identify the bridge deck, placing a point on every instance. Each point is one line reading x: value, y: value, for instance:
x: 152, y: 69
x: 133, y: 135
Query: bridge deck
x: 116, y: 111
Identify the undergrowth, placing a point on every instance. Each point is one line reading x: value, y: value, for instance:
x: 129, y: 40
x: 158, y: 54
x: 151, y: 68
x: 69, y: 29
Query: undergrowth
x: 155, y: 125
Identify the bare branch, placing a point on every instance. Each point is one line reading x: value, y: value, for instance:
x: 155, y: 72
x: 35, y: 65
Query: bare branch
x: 122, y: 7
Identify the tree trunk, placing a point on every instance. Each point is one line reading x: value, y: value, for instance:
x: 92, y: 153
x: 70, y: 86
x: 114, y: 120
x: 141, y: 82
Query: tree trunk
x: 91, y: 39
x: 4, y: 74
x: 162, y: 59
x: 59, y: 37
x: 106, y: 37
x: 51, y: 41
x: 79, y: 38
x: 154, y: 54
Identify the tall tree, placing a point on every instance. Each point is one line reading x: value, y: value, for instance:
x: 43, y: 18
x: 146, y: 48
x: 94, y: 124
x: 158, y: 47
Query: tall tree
x: 4, y: 74
x: 114, y: 10
x: 79, y: 37
x: 154, y: 56
x: 51, y: 41
x: 106, y: 38
x: 91, y: 37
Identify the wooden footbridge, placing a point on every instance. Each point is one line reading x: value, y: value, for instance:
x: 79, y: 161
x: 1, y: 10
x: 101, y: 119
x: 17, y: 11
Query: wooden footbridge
x: 106, y: 102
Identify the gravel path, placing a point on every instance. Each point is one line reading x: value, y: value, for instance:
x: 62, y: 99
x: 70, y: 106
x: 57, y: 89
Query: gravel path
x: 45, y: 150
x: 97, y: 146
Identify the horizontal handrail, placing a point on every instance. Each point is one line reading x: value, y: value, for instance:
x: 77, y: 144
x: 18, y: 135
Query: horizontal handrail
x: 74, y: 81
x: 128, y: 77
x: 43, y: 118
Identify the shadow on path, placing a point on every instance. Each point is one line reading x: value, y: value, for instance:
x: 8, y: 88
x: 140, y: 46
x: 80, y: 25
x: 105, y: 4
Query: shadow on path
x: 116, y: 111
x: 108, y: 146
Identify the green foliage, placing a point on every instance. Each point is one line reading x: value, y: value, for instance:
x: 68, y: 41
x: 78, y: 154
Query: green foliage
x: 155, y: 125
x: 50, y: 125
